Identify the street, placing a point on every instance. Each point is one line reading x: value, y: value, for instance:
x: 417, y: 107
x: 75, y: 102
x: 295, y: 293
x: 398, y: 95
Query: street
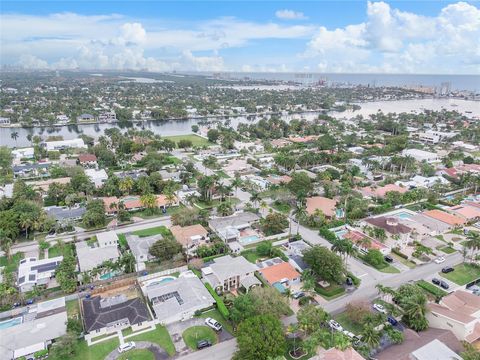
x: 222, y: 351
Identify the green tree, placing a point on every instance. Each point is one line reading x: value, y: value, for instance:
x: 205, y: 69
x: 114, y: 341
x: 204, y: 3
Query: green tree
x: 66, y: 276
x: 311, y: 318
x: 371, y: 337
x: 300, y: 185
x: 274, y: 223
x: 213, y: 135
x: 165, y: 249
x: 325, y: 264
x: 64, y: 347
x: 260, y: 338
x: 375, y: 258
x: 94, y: 215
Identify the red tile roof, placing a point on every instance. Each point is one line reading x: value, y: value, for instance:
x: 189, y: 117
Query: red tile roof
x: 278, y: 272
x: 444, y: 217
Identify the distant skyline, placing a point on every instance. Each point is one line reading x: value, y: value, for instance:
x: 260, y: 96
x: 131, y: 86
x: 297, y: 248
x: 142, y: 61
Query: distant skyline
x: 428, y: 37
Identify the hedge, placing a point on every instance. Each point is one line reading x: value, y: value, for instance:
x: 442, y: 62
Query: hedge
x: 41, y: 353
x: 432, y: 289
x: 327, y: 234
x: 220, y: 304
x: 356, y: 281
x: 210, y: 258
x: 335, y: 291
x: 399, y: 253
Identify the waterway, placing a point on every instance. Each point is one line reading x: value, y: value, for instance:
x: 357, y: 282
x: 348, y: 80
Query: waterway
x: 181, y: 127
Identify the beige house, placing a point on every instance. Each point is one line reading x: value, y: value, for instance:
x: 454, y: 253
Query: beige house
x: 458, y: 312
x: 191, y: 236
x: 325, y: 205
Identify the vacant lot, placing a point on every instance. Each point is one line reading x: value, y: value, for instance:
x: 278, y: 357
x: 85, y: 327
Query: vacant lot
x: 195, y: 139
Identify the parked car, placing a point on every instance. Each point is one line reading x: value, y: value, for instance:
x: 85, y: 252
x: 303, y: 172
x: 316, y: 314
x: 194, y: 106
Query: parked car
x: 17, y: 304
x: 388, y: 258
x: 436, y: 281
x: 202, y: 344
x: 380, y: 308
x: 29, y: 301
x: 447, y: 269
x: 349, y: 281
x: 444, y: 285
x: 126, y: 346
x: 214, y: 324
x: 392, y: 320
x: 335, y: 325
x: 439, y: 260
x: 298, y: 295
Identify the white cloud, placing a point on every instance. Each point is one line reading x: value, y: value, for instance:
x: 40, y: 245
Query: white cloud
x: 286, y: 14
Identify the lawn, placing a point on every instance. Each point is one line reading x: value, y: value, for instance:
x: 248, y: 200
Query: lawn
x: 214, y: 314
x: 405, y: 262
x: 95, y: 352
x: 446, y: 249
x: 251, y: 255
x: 73, y: 309
x: 348, y: 324
x: 431, y: 288
x: 282, y: 207
x: 389, y: 269
x: 222, y: 174
x: 147, y: 213
x: 463, y: 274
x: 158, y: 336
x: 122, y: 241
x: 195, y: 139
x: 137, y: 354
x: 152, y: 231
x: 11, y: 264
x: 214, y: 203
x: 62, y: 250
x: 196, y: 333
x: 331, y: 292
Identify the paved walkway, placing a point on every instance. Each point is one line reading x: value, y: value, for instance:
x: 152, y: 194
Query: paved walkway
x: 157, y: 351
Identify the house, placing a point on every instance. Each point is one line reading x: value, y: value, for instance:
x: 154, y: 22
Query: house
x: 236, y: 166
x: 325, y: 205
x: 177, y: 299
x: 133, y: 203
x: 34, y: 272
x: 394, y: 229
x: 414, y: 341
x: 65, y: 144
x: 277, y: 180
x: 381, y: 192
x: 423, y: 182
x: 249, y: 146
x: 449, y: 219
x: 91, y: 255
x: 191, y: 236
x: 140, y: 246
x: 107, y: 315
x: 33, y: 331
x: 87, y: 160
x: 256, y: 180
x: 336, y: 354
x: 469, y: 213
x: 6, y: 191
x: 107, y: 116
x: 31, y: 170
x: 97, y: 177
x: 421, y: 155
x: 86, y: 118
x: 24, y: 153
x: 134, y: 174
x: 233, y: 228
x: 458, y: 312
x: 228, y: 273
x: 361, y: 241
x: 435, y: 349
x: 280, y: 143
x: 167, y: 175
x: 277, y: 271
x: 65, y: 213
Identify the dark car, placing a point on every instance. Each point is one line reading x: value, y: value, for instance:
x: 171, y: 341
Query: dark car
x: 29, y: 301
x: 349, y: 281
x: 298, y: 295
x: 202, y: 344
x: 392, y: 320
x: 436, y: 281
x: 388, y: 258
x: 444, y: 285
x: 447, y: 269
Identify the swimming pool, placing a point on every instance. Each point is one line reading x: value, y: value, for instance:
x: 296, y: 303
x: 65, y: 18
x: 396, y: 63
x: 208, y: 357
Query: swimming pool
x: 341, y: 233
x: 279, y: 286
x: 249, y: 239
x: 162, y: 280
x: 9, y: 323
x: 108, y: 275
x: 403, y: 215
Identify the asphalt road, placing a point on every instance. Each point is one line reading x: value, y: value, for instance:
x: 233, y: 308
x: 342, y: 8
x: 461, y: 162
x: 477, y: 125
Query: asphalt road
x: 222, y: 351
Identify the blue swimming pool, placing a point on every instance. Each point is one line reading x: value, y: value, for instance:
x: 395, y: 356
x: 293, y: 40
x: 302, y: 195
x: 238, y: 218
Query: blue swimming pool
x: 249, y: 239
x: 403, y: 215
x: 279, y: 286
x: 341, y: 233
x: 9, y: 323
x: 108, y: 275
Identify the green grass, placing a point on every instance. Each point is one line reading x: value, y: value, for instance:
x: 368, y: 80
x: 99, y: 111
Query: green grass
x: 73, y: 309
x: 63, y: 250
x: 431, y: 289
x: 195, y: 139
x: 222, y: 174
x: 251, y: 255
x: 152, y: 231
x: 196, y: 333
x: 159, y: 336
x: 215, y: 314
x: 331, y: 292
x: 214, y: 203
x: 94, y: 352
x: 281, y: 207
x: 348, y: 324
x: 463, y: 274
x: 11, y: 264
x: 137, y: 354
x: 403, y: 261
x: 122, y: 241
x: 389, y: 269
x: 446, y: 249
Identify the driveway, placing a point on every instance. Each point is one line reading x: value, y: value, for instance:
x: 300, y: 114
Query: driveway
x: 157, y: 351
x: 176, y: 330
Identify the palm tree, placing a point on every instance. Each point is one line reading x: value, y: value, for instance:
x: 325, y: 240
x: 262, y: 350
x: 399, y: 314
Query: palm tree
x: 300, y: 212
x: 224, y: 209
x: 26, y: 222
x: 254, y: 198
x: 236, y: 183
x: 6, y: 245
x: 473, y: 242
x: 414, y: 312
x: 149, y: 201
x: 263, y: 205
x: 385, y: 291
x: 126, y: 185
x: 371, y: 337
x: 14, y: 136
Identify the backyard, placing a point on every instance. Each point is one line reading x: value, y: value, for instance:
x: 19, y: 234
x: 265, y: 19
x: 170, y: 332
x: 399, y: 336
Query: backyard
x: 463, y: 274
x: 11, y: 264
x: 195, y: 139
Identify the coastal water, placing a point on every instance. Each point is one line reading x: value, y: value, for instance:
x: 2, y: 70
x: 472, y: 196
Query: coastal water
x: 181, y: 127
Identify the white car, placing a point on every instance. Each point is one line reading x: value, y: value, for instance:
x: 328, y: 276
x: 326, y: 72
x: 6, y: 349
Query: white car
x: 349, y: 334
x: 126, y: 346
x: 380, y: 308
x: 439, y: 260
x: 335, y: 325
x: 214, y: 324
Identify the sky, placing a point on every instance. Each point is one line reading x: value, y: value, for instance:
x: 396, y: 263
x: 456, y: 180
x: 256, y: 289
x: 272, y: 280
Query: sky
x: 425, y: 37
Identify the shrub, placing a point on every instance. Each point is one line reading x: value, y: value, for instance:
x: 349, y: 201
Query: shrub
x: 220, y: 304
x: 375, y: 258
x: 432, y: 289
x: 327, y: 234
x: 356, y: 281
x: 40, y: 353
x: 399, y: 253
x: 329, y: 292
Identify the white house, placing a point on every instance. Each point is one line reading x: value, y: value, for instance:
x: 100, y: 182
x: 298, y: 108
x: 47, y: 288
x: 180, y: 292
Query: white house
x: 24, y: 153
x: 421, y: 155
x: 65, y: 144
x: 33, y: 272
x: 97, y: 177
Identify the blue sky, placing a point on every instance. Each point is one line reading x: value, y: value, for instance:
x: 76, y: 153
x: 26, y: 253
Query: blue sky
x: 315, y: 36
